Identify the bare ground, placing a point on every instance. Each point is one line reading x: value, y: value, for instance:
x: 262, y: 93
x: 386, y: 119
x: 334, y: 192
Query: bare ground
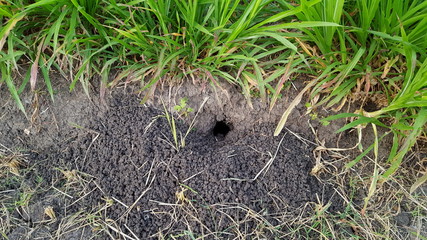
x: 111, y: 169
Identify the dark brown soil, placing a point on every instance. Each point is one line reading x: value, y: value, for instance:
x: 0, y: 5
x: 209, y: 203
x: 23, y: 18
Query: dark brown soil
x: 113, y: 170
x: 232, y: 178
x: 129, y: 152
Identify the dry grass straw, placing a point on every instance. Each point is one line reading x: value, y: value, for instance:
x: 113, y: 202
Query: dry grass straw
x: 16, y: 204
x: 10, y: 162
x: 377, y: 217
x: 89, y: 224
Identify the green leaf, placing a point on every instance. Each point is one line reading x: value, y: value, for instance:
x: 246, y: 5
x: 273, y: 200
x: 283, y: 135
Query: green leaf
x: 279, y: 38
x: 396, y: 160
x: 6, y: 76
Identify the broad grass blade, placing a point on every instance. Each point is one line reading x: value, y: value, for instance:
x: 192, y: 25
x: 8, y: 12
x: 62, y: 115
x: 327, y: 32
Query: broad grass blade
x: 7, y: 78
x: 4, y: 33
x: 410, y: 140
x: 282, y: 81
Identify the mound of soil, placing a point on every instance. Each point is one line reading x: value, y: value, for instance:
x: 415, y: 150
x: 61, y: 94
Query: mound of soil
x: 223, y: 182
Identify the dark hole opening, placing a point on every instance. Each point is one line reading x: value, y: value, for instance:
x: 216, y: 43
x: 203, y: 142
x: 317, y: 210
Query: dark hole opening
x: 221, y: 128
x: 370, y: 106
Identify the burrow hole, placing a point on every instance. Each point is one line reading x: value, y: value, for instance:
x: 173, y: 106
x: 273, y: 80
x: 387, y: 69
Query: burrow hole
x: 221, y: 128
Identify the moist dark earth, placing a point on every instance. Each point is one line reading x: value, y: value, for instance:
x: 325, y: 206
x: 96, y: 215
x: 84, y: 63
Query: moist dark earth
x: 111, y: 169
x: 215, y: 178
x: 227, y: 181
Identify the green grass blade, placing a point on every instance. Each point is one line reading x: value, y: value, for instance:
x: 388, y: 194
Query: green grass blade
x: 297, y: 25
x: 279, y: 38
x: 6, y: 76
x: 396, y: 160
x: 45, y: 72
x: 5, y: 31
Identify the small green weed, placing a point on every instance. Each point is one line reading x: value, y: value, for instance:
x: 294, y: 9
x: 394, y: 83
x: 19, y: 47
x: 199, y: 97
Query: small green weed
x: 182, y: 109
x: 24, y: 199
x: 177, y: 136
